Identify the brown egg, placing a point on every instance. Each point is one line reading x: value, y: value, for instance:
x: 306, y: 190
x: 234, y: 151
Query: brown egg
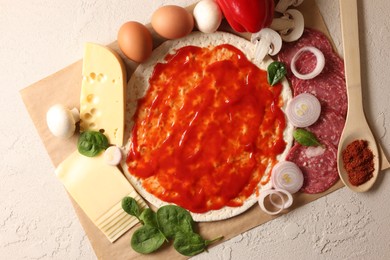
x: 135, y: 41
x: 172, y: 22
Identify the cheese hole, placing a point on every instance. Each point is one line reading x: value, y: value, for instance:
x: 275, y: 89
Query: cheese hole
x: 92, y: 75
x: 101, y: 77
x: 90, y: 98
x: 87, y: 116
x: 92, y: 125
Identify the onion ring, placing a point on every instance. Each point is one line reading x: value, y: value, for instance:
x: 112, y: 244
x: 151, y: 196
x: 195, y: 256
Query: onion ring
x: 319, y: 65
x: 286, y: 204
x: 288, y: 176
x: 266, y: 193
x: 303, y: 110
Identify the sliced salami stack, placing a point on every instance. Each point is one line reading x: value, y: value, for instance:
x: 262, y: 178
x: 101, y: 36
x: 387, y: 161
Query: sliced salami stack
x: 320, y: 171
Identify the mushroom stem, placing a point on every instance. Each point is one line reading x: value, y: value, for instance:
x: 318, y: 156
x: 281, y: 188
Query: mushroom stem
x: 261, y: 51
x: 283, y: 23
x: 266, y: 41
x: 282, y: 5
x: 76, y: 114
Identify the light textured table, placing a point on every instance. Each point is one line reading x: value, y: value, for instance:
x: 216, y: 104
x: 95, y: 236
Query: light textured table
x: 37, y: 221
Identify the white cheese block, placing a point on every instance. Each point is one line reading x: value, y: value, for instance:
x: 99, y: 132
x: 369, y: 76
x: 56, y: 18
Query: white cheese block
x: 102, y: 95
x: 98, y: 188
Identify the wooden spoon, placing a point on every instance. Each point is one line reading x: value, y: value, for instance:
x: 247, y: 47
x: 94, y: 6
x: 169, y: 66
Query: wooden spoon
x: 356, y: 126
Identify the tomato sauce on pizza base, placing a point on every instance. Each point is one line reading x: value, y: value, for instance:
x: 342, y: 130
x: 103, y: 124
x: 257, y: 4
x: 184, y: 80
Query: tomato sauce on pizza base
x: 207, y: 130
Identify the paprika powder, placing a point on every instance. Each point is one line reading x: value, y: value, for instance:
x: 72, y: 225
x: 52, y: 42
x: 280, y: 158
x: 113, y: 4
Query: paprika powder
x: 358, y: 161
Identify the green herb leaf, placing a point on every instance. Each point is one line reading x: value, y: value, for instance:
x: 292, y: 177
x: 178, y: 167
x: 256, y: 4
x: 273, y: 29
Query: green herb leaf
x: 147, y: 239
x: 130, y: 206
x: 172, y: 219
x: 209, y: 242
x: 189, y: 244
x: 91, y: 143
x: 275, y: 72
x: 305, y: 138
x: 149, y: 217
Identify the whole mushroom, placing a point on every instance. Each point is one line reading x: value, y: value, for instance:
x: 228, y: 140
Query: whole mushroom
x: 61, y: 121
x: 207, y: 15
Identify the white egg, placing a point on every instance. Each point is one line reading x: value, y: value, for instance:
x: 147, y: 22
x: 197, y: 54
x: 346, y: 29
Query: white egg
x: 207, y: 15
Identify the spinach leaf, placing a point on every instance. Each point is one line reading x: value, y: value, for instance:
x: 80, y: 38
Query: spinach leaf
x: 190, y: 244
x: 130, y: 206
x: 172, y: 219
x: 147, y: 239
x: 91, y: 143
x: 305, y: 138
x: 275, y: 72
x: 149, y: 217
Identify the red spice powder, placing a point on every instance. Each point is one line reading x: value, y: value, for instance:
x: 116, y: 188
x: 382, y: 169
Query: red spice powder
x: 358, y: 162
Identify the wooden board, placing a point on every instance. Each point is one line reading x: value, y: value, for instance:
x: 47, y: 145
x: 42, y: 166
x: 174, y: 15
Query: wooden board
x: 63, y: 87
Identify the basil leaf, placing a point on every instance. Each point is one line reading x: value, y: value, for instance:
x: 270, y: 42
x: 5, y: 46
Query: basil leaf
x: 91, y: 143
x: 130, y: 206
x: 149, y: 217
x: 305, y: 138
x: 172, y: 219
x: 275, y: 72
x: 147, y: 239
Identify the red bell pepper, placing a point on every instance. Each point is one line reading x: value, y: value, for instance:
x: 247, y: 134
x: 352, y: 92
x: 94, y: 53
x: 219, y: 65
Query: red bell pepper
x: 248, y: 15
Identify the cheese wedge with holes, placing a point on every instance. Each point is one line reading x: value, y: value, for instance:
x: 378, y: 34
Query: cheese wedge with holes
x: 102, y: 98
x: 98, y: 188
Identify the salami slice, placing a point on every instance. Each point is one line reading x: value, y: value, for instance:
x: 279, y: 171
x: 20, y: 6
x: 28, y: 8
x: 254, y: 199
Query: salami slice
x: 320, y: 172
x: 330, y: 91
x: 334, y: 65
x: 328, y: 127
x: 309, y: 37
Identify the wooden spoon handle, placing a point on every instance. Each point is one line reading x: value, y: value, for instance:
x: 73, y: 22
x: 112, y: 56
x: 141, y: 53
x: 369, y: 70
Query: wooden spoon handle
x: 350, y: 33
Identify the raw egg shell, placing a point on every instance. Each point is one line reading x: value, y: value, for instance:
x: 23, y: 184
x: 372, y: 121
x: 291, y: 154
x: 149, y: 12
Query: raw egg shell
x: 135, y: 41
x: 172, y: 22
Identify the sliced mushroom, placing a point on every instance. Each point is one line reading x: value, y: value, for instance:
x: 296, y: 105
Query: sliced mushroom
x: 290, y: 25
x: 282, y: 5
x: 61, y: 121
x: 266, y: 41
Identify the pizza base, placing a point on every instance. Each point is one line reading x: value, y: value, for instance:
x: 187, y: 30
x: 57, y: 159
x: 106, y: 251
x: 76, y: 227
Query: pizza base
x: 138, y: 86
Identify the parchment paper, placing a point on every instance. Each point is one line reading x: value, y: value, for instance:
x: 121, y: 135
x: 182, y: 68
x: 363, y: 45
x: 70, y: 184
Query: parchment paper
x: 63, y: 87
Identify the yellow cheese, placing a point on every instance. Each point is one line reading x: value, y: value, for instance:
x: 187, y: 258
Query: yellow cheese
x: 98, y: 188
x: 102, y: 98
